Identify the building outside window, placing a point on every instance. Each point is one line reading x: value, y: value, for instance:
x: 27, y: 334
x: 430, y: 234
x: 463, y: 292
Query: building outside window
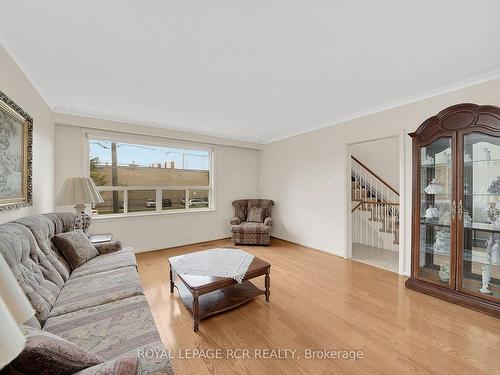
x: 138, y: 178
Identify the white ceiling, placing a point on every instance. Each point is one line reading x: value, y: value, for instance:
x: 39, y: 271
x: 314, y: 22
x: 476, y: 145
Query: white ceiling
x: 252, y: 70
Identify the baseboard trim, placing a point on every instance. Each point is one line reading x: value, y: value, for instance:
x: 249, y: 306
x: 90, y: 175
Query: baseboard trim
x: 181, y: 245
x: 275, y: 236
x: 316, y: 247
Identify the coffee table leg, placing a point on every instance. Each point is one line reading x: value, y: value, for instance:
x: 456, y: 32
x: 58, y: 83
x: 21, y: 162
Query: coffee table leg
x: 268, y: 285
x: 196, y: 312
x: 171, y: 281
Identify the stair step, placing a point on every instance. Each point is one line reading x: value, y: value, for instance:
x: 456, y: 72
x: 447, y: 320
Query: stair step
x: 386, y: 231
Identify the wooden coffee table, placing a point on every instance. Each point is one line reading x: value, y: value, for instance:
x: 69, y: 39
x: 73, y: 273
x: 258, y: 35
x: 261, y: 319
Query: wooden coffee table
x: 205, y: 296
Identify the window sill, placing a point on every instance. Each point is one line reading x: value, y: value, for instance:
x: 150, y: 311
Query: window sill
x: 150, y: 215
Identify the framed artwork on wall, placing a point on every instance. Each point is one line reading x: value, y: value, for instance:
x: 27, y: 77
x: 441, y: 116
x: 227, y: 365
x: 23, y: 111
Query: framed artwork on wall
x: 16, y: 154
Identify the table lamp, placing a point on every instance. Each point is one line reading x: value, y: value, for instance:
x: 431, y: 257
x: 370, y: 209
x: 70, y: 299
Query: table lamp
x: 79, y: 191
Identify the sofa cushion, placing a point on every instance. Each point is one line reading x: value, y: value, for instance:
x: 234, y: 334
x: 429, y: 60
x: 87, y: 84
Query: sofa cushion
x: 76, y: 247
x: 126, y: 365
x: 46, y: 353
x: 114, y: 329
x: 96, y: 289
x: 37, y: 278
x: 107, y: 262
x: 247, y: 227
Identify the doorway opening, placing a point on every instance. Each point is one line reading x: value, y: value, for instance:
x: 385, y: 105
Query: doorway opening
x: 375, y: 202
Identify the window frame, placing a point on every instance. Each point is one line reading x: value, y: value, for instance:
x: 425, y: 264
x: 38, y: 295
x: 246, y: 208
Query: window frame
x: 146, y: 141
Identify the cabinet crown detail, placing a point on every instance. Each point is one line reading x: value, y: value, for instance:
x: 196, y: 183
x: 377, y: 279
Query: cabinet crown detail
x: 458, y: 117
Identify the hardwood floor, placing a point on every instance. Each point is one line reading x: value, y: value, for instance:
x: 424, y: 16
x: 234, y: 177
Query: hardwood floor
x: 321, y: 301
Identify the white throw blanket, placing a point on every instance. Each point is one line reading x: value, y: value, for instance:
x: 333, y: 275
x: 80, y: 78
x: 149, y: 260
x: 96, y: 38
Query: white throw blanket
x: 231, y: 263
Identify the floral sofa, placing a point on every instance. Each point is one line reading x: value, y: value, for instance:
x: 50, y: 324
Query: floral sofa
x: 249, y: 229
x: 99, y: 306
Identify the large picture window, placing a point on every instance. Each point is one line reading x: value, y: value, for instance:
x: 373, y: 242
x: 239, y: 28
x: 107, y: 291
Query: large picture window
x: 138, y: 178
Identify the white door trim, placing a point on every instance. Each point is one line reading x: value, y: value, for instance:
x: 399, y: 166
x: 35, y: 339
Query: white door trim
x: 404, y: 196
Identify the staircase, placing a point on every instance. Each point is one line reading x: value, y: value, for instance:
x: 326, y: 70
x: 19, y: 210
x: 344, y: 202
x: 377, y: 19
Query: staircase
x: 374, y: 208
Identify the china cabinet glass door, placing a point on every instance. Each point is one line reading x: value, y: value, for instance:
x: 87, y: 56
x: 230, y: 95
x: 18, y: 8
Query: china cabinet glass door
x: 479, y: 216
x: 437, y: 209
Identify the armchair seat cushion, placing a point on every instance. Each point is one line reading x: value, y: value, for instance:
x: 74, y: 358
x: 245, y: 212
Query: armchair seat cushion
x: 250, y: 228
x: 107, y: 262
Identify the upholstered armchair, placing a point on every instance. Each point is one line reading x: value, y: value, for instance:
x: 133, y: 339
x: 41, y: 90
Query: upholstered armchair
x: 251, y: 224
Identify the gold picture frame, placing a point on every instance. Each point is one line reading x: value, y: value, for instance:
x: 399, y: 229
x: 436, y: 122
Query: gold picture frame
x: 16, y: 156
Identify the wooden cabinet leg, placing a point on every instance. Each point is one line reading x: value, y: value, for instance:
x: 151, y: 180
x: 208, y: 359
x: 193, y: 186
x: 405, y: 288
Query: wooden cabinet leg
x: 171, y: 281
x: 196, y: 313
x: 268, y: 285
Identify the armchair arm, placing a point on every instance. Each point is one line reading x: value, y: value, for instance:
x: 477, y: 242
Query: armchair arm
x: 268, y: 221
x: 235, y: 221
x: 108, y: 247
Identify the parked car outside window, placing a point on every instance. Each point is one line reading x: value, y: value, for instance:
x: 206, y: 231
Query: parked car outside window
x: 197, y: 202
x: 150, y: 203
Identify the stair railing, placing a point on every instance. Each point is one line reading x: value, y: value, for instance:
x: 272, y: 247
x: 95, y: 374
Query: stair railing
x: 375, y: 209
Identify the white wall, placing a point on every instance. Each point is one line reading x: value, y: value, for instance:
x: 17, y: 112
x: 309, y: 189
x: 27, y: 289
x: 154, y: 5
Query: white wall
x: 236, y: 176
x: 14, y: 84
x: 382, y: 157
x: 307, y: 175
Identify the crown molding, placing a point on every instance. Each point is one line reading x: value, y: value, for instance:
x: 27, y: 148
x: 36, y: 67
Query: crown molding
x: 28, y: 69
x: 473, y: 81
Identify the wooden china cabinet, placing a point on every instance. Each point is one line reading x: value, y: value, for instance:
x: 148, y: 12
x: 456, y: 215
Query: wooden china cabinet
x: 456, y: 207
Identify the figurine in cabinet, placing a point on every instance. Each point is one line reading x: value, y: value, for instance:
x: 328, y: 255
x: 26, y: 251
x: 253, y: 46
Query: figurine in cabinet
x: 491, y: 245
x: 429, y: 160
x: 467, y: 219
x: 492, y: 212
x: 442, y: 244
x: 495, y: 186
x: 495, y: 253
x: 487, y: 154
x: 446, y: 218
x: 485, y: 279
x: 444, y: 273
x: 431, y: 213
x: 434, y: 187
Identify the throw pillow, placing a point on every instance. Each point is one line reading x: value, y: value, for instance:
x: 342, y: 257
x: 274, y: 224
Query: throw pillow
x: 46, y: 353
x: 76, y: 247
x: 255, y: 215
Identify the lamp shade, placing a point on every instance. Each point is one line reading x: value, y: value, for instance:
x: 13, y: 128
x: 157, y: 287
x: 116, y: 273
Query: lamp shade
x: 78, y: 190
x: 12, y: 339
x: 13, y: 296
